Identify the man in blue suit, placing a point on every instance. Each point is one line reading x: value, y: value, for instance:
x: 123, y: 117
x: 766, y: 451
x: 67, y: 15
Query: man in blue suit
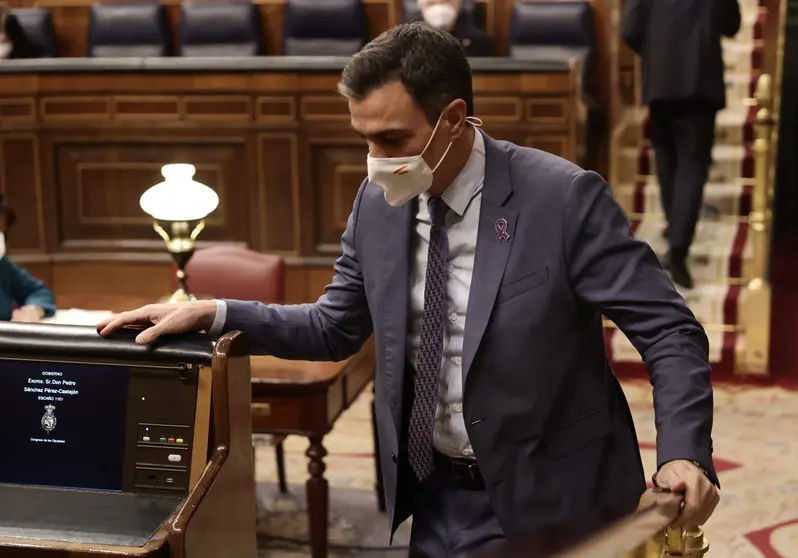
x: 483, y: 269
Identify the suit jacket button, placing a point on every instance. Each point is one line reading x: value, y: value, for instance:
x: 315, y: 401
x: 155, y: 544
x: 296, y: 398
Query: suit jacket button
x: 393, y: 457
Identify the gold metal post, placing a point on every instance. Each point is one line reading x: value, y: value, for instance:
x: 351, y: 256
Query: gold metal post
x: 180, y: 242
x: 756, y: 299
x: 682, y: 542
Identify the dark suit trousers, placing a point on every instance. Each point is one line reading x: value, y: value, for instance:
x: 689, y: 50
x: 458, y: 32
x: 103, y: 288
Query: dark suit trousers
x: 451, y: 520
x: 682, y: 133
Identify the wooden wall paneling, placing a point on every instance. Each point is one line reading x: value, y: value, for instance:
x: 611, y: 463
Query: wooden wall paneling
x: 150, y: 107
x: 42, y: 270
x: 272, y: 20
x: 276, y: 109
x: 338, y: 169
x: 500, y: 32
x: 381, y: 15
x: 296, y: 285
x: 50, y: 196
x: 218, y: 108
x: 17, y: 110
x: 20, y: 181
x: 277, y: 145
x: 80, y: 108
x: 279, y: 192
x: 99, y: 181
x: 319, y: 276
x: 85, y: 284
x: 499, y: 109
x: 556, y: 144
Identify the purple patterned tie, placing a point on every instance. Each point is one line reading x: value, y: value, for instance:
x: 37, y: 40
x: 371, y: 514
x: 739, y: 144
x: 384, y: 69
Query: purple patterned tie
x: 430, y: 352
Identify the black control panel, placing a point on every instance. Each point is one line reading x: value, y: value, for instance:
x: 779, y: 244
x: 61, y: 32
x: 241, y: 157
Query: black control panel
x: 161, y: 412
x: 98, y: 426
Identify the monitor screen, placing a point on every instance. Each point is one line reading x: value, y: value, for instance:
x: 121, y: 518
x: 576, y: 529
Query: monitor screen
x: 63, y: 424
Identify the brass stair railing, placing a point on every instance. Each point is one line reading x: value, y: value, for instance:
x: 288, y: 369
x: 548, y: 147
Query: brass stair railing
x: 645, y: 534
x: 756, y: 298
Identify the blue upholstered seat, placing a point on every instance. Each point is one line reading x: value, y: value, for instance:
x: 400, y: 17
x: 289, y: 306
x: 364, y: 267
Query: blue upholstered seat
x: 220, y: 29
x: 128, y: 30
x: 324, y: 28
x: 35, y: 25
x: 555, y: 30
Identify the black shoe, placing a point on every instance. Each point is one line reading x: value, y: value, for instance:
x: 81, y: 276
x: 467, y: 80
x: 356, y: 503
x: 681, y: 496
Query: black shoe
x: 680, y: 275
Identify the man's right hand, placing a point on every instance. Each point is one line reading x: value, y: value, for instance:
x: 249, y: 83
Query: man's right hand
x: 163, y: 319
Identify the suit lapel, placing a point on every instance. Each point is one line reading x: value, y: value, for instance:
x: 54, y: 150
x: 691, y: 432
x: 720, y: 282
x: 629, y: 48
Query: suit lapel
x: 493, y: 248
x: 395, y: 270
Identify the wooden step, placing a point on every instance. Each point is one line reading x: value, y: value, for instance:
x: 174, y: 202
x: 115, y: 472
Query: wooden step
x: 729, y: 163
x: 732, y: 199
x: 734, y: 125
x: 723, y: 349
x: 720, y: 251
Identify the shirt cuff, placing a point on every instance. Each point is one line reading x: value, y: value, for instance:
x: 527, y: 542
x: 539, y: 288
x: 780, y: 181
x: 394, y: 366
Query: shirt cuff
x: 220, y: 318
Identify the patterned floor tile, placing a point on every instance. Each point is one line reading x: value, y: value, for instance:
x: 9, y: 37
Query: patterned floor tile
x: 755, y: 451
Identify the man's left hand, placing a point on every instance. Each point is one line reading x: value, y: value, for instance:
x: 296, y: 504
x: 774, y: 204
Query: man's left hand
x: 27, y: 314
x: 700, y: 495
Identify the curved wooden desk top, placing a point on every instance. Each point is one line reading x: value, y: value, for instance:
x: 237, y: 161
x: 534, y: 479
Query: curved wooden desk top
x: 267, y: 370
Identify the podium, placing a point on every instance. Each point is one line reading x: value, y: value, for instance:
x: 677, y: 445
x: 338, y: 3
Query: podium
x: 117, y: 449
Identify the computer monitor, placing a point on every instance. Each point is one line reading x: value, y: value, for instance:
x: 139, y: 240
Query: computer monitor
x: 97, y: 426
x: 104, y: 442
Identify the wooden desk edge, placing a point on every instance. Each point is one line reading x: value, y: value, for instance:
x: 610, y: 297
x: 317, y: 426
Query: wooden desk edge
x: 365, y: 352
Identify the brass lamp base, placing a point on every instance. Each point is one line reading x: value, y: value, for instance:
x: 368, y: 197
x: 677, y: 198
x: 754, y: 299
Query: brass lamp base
x: 182, y: 296
x: 180, y: 244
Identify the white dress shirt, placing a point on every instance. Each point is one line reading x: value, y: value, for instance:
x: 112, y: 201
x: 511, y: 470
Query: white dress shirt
x: 463, y: 197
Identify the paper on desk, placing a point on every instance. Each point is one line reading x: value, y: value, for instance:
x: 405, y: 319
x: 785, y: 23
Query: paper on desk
x: 76, y: 316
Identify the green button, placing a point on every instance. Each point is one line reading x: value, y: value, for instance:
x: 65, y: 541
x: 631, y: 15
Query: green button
x: 163, y: 439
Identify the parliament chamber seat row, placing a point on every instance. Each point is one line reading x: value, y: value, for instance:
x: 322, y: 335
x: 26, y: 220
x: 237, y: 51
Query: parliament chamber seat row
x: 538, y: 30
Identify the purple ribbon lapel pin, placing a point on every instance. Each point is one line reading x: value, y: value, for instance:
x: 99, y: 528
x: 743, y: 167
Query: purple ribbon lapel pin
x: 501, y: 228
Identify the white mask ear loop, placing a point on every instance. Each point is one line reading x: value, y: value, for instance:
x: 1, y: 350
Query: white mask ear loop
x: 429, y: 141
x: 442, y: 157
x: 473, y: 120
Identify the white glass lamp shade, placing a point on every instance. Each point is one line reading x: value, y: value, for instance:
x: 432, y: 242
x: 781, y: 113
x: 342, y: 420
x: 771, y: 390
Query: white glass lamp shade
x: 179, y: 197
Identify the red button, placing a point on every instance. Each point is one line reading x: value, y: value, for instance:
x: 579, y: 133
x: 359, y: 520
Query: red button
x: 171, y: 440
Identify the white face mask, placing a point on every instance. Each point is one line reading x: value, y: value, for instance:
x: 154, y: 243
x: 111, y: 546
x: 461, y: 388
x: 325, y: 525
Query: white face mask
x: 404, y: 178
x: 2, y: 245
x: 441, y: 16
x: 5, y: 50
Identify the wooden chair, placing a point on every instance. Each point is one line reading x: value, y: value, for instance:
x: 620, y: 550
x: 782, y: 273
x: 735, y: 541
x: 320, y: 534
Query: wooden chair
x: 240, y: 273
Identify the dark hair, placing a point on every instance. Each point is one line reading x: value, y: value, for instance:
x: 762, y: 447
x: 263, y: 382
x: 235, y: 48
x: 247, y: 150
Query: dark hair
x: 430, y: 63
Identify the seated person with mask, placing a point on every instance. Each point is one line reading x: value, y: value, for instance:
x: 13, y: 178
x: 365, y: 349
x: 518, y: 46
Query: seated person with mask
x: 23, y: 298
x: 12, y: 38
x: 447, y: 15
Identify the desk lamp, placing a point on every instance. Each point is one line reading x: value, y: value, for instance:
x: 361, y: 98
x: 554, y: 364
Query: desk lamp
x: 179, y: 206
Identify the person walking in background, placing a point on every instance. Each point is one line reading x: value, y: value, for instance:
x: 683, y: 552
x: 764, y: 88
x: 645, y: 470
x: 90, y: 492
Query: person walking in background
x: 679, y: 43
